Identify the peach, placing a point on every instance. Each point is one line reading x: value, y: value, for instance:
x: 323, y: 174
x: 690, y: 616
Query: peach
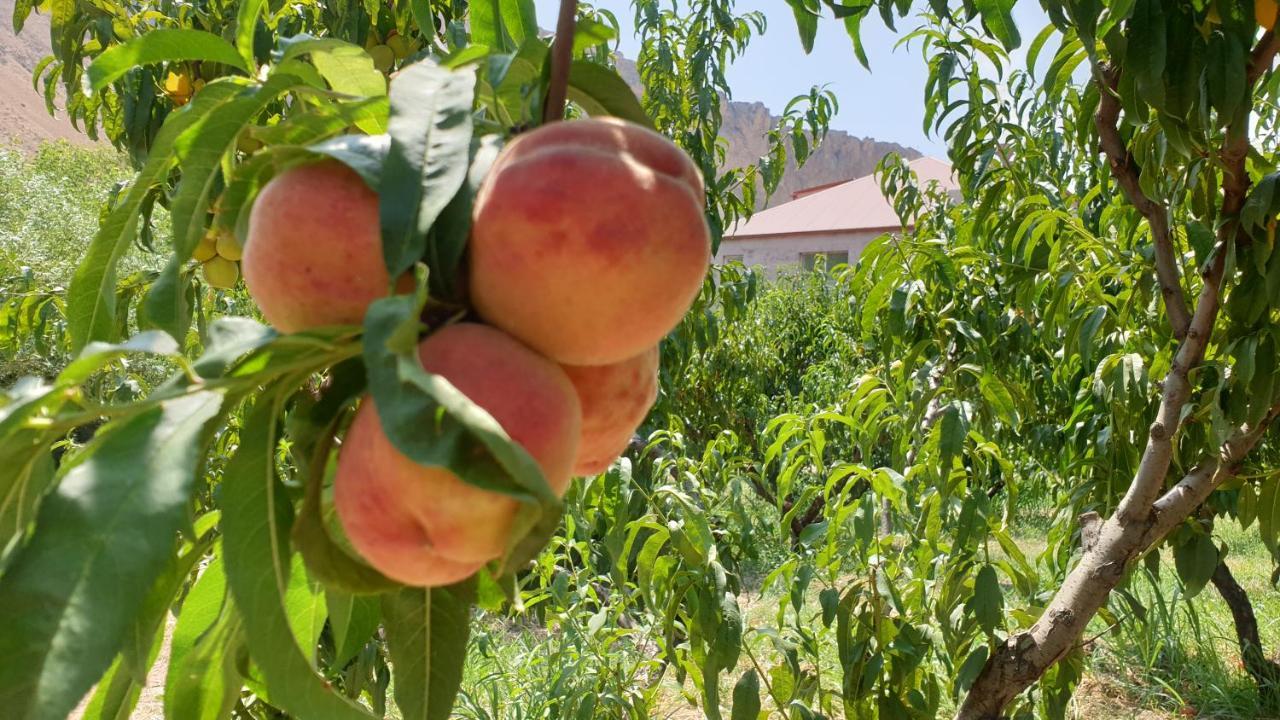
x: 589, y: 241
x: 615, y: 399
x: 423, y: 525
x: 313, y: 255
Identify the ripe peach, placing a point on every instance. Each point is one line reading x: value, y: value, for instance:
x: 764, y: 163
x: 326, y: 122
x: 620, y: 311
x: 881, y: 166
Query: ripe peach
x: 589, y: 241
x: 615, y: 399
x: 313, y: 255
x: 424, y: 525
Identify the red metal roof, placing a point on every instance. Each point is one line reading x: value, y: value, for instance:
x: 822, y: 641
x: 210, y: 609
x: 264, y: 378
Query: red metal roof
x: 846, y: 207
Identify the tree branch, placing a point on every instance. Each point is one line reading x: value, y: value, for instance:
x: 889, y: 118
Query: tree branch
x: 1143, y: 516
x: 1126, y: 172
x: 561, y: 59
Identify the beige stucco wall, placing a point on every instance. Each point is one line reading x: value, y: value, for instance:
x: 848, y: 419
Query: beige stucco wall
x: 783, y: 251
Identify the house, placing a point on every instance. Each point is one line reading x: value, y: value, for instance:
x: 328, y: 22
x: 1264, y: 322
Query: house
x: 836, y: 220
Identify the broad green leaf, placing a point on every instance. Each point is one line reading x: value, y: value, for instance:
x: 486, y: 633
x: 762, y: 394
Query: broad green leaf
x: 987, y: 602
x: 1147, y: 50
x: 202, y: 682
x: 427, y: 631
x: 806, y: 22
x: 746, y: 697
x: 1195, y: 561
x: 116, y: 695
x: 91, y: 300
x: 354, y: 619
x: 363, y: 153
x: 156, y: 46
x: 602, y: 92
x: 430, y: 130
x: 102, y: 539
x: 970, y: 668
x: 305, y: 606
x: 997, y: 16
x: 255, y: 545
x: 465, y: 438
x: 1269, y: 514
x: 247, y: 18
x: 447, y: 239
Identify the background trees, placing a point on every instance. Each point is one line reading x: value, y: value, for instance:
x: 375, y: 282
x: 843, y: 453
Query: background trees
x: 830, y: 514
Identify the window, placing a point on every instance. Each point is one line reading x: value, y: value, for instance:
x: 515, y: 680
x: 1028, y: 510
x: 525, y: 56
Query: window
x: 830, y: 259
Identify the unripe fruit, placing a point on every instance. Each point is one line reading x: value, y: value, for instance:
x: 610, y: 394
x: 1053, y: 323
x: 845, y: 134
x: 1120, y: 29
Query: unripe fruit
x: 383, y: 58
x: 228, y: 246
x: 1265, y: 12
x: 399, y: 45
x: 177, y: 85
x: 615, y: 399
x: 221, y: 273
x: 589, y: 241
x: 205, y: 249
x: 313, y: 255
x: 424, y: 525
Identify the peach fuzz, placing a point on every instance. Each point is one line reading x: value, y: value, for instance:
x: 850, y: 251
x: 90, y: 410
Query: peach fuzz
x: 589, y: 241
x: 615, y: 400
x: 424, y: 525
x: 313, y: 255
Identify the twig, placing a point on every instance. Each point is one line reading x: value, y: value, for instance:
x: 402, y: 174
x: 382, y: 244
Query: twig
x: 561, y: 59
x: 1126, y: 172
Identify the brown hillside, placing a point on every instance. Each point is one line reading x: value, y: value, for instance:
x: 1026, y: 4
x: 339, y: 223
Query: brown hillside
x: 23, y: 116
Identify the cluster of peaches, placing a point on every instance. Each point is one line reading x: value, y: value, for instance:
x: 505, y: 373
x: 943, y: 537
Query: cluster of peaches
x: 588, y: 245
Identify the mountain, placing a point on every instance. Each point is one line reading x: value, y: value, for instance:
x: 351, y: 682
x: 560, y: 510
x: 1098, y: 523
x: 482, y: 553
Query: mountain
x: 23, y: 117
x: 841, y: 156
x: 745, y: 126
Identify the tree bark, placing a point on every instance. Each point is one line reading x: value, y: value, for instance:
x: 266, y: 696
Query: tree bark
x: 1144, y: 516
x: 1265, y: 672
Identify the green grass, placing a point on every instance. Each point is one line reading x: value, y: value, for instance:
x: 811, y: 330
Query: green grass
x: 49, y: 209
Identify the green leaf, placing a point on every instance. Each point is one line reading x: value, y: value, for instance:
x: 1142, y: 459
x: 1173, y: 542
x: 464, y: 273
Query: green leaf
x: 348, y: 69
x: 746, y: 697
x: 355, y: 619
x: 430, y: 131
x: 255, y: 525
x: 363, y: 153
x: 102, y: 539
x: 465, y: 438
x: 987, y: 602
x: 304, y: 604
x: 1269, y: 514
x: 1146, y: 52
x: 520, y: 19
x: 602, y: 92
x: 997, y: 16
x: 806, y: 22
x: 427, y: 631
x: 447, y: 240
x: 202, y: 682
x: 970, y: 668
x: 247, y: 18
x: 1195, y: 561
x: 116, y: 695
x: 156, y: 46
x: 91, y: 300
x: 1225, y: 77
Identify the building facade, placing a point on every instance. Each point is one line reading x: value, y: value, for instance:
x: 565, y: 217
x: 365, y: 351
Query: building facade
x: 837, y: 221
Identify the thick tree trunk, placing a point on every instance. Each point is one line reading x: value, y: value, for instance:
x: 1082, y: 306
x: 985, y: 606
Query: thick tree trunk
x: 1265, y: 672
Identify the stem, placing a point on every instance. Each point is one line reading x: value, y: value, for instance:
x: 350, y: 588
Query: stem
x: 1265, y: 673
x: 561, y: 59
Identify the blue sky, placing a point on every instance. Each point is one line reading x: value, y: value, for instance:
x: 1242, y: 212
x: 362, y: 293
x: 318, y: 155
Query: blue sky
x: 884, y: 103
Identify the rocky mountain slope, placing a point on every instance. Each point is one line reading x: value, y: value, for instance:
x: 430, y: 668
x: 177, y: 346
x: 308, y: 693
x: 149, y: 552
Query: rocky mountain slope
x: 23, y: 117
x: 746, y: 126
x: 842, y: 156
